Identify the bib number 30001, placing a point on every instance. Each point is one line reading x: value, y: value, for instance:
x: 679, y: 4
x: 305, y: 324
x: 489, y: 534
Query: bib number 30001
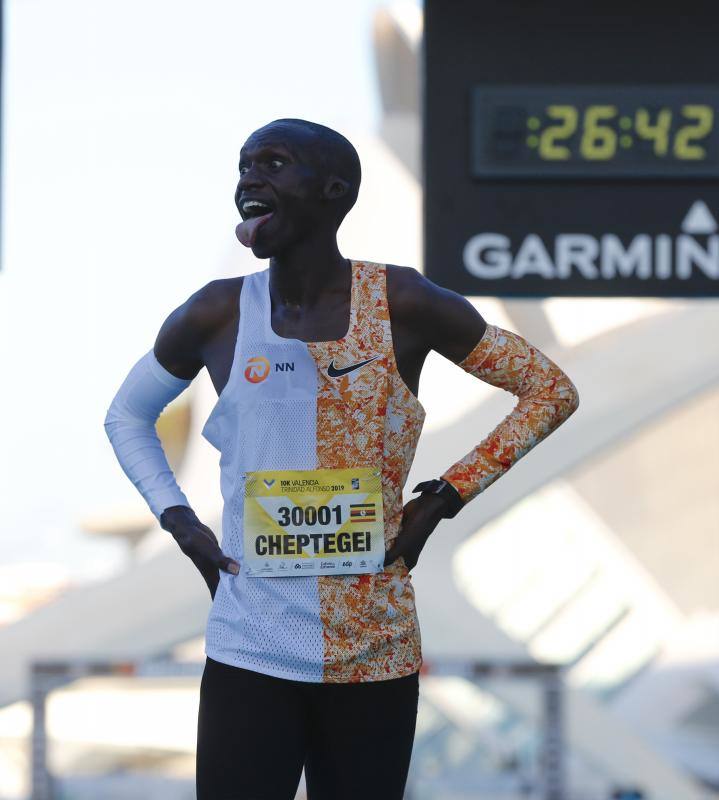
x: 313, y: 522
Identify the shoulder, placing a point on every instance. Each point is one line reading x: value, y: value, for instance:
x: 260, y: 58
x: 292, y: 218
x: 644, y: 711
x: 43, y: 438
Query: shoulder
x: 192, y: 325
x: 416, y: 299
x: 402, y: 280
x: 449, y: 322
x: 409, y: 293
x: 412, y: 293
x: 211, y: 307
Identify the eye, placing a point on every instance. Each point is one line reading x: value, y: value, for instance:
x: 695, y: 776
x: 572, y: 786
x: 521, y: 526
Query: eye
x: 243, y: 169
x: 276, y: 163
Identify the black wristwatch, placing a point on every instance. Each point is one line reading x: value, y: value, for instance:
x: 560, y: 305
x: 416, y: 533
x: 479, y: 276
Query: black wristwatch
x: 452, y: 500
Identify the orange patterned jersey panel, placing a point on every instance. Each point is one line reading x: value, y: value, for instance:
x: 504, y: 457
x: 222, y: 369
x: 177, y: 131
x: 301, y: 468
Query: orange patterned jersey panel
x: 370, y: 625
x: 547, y: 397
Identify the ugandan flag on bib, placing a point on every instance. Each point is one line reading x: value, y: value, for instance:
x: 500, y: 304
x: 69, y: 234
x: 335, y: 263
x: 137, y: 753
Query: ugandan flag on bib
x: 363, y: 512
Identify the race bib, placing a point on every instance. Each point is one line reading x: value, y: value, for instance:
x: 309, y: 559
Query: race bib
x: 313, y: 522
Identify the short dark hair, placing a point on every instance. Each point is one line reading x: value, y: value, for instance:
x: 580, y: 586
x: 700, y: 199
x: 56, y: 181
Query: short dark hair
x: 334, y: 154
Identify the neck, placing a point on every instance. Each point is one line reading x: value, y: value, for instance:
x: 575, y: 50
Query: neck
x: 310, y: 270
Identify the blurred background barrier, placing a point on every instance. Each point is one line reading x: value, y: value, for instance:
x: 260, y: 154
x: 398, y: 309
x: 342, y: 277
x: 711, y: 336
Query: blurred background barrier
x: 535, y: 771
x: 593, y: 563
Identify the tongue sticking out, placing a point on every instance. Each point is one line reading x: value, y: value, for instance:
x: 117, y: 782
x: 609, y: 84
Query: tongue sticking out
x: 247, y: 231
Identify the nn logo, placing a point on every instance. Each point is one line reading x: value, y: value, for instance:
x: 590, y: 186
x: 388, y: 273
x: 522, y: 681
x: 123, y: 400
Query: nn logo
x: 258, y: 368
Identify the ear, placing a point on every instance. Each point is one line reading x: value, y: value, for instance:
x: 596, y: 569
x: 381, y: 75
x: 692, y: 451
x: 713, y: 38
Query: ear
x: 335, y: 188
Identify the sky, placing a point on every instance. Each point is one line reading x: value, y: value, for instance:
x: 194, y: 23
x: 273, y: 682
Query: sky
x: 122, y: 128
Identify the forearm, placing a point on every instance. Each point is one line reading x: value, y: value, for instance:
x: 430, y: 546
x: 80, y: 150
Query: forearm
x: 547, y: 397
x: 130, y: 426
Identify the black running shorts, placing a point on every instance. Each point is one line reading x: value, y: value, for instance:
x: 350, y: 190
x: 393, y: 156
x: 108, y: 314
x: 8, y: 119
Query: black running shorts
x: 256, y: 733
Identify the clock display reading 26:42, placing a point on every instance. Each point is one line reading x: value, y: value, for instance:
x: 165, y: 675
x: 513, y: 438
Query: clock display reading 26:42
x: 595, y: 131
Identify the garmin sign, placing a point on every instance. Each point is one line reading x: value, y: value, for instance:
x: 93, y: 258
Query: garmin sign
x: 695, y: 250
x: 603, y: 184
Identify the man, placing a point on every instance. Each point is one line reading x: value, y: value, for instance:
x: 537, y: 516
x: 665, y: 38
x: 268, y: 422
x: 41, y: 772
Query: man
x: 312, y: 642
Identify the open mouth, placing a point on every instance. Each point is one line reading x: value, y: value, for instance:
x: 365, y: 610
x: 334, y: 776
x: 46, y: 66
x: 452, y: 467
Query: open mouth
x: 255, y: 208
x: 254, y: 213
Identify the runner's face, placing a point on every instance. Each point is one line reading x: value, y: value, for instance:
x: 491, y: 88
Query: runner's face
x: 275, y: 169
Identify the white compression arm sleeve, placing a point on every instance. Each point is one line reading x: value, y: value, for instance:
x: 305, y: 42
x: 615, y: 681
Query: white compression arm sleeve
x: 130, y: 426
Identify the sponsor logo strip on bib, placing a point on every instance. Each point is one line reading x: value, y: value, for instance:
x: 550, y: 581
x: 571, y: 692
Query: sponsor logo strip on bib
x: 313, y: 522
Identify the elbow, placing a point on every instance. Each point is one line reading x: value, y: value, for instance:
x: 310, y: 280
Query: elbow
x: 112, y: 422
x: 570, y: 399
x: 116, y: 418
x: 113, y: 416
x: 564, y: 400
x: 121, y: 420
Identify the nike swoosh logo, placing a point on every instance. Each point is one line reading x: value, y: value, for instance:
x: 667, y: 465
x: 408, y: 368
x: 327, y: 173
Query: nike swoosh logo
x: 333, y: 372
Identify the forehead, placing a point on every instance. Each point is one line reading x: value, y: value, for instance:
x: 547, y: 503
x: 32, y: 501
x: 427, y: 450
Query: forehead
x: 278, y: 137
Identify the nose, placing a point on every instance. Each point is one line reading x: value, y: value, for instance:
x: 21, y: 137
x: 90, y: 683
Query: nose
x: 249, y: 180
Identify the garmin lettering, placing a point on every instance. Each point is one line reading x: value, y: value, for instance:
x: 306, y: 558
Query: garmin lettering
x: 490, y: 256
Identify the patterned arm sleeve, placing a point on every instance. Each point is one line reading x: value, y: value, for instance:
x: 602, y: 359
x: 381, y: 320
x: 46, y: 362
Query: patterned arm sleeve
x: 547, y: 397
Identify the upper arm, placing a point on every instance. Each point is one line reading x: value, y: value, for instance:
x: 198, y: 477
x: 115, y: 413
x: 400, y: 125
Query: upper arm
x: 447, y: 322
x: 182, y: 338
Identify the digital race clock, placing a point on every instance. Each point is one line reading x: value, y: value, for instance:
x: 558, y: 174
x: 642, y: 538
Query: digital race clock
x: 555, y: 131
x: 571, y: 153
